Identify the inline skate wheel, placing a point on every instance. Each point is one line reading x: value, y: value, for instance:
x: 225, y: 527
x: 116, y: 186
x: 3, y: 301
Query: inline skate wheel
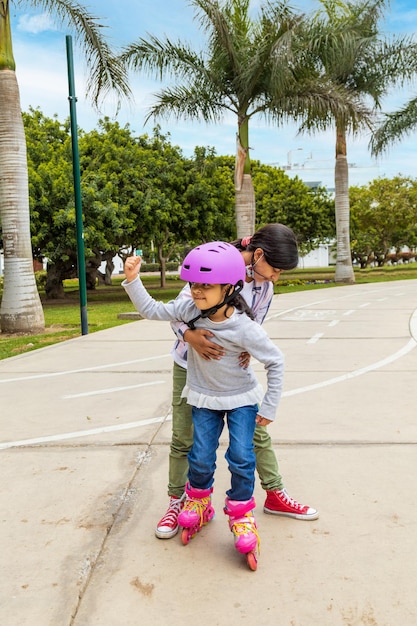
x: 185, y: 536
x: 252, y: 561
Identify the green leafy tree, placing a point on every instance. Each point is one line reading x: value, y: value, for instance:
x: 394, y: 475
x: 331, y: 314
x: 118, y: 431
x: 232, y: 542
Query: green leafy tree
x: 384, y: 219
x: 350, y: 49
x: 165, y: 198
x: 209, y: 197
x: 121, y: 179
x: 249, y: 67
x: 135, y: 190
x: 185, y: 200
x: 112, y: 174
x: 309, y: 212
x: 21, y: 310
x: 50, y: 194
x: 52, y: 199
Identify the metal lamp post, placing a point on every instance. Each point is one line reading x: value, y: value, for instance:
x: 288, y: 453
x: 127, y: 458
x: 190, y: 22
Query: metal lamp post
x: 77, y: 189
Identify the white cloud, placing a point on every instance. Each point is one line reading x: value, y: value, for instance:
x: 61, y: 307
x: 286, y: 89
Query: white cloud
x: 35, y: 24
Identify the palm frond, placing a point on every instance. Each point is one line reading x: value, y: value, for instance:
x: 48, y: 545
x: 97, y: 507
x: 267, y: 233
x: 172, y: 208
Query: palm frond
x: 106, y: 72
x: 394, y: 127
x: 157, y: 57
x: 191, y: 102
x: 318, y: 107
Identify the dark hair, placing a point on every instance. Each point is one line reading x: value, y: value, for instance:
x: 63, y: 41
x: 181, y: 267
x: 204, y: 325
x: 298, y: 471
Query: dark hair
x: 278, y: 243
x: 240, y: 305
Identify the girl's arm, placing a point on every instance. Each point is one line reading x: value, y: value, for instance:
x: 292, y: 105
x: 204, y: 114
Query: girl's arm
x: 145, y: 304
x: 257, y: 342
x: 261, y: 300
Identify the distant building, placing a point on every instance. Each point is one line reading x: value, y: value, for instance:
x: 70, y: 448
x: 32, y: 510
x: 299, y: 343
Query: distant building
x: 319, y: 257
x: 118, y: 266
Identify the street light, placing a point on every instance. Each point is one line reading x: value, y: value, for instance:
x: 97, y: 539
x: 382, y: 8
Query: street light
x: 289, y: 157
x: 79, y: 229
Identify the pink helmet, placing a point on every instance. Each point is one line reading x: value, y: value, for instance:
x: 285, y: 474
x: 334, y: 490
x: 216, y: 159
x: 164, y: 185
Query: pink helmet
x: 215, y: 263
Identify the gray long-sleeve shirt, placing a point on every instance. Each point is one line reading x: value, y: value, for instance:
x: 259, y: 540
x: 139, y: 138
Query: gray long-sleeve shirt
x: 224, y: 382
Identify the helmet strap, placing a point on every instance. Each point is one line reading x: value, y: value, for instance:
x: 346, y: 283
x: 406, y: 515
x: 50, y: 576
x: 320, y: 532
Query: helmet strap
x: 231, y: 292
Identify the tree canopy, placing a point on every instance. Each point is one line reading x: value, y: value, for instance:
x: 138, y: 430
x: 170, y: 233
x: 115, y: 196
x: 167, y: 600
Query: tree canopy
x: 138, y: 190
x: 134, y: 190
x: 384, y: 220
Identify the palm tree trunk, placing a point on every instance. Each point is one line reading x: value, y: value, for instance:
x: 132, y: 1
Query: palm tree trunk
x: 344, y: 269
x: 245, y: 207
x: 21, y: 309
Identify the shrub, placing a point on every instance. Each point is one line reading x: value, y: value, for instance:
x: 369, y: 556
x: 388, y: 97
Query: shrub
x: 171, y: 266
x: 40, y: 278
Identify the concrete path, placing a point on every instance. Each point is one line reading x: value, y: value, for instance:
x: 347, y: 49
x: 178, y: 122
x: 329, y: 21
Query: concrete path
x: 85, y: 430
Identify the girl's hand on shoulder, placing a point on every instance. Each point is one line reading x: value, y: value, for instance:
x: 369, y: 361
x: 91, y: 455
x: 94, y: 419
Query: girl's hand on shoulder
x: 204, y: 347
x: 131, y: 267
x: 262, y: 421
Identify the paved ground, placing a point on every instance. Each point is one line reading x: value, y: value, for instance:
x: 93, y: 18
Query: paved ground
x: 85, y: 428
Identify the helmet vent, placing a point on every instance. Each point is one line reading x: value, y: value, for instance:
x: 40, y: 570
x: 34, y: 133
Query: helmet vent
x: 216, y: 263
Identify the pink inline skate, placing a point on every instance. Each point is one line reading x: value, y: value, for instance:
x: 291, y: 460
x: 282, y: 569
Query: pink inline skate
x: 243, y: 526
x: 197, y: 512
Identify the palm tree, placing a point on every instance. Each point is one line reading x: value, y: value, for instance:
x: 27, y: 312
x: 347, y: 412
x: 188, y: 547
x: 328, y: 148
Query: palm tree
x: 347, y: 42
x: 21, y: 309
x: 249, y: 67
x: 394, y: 126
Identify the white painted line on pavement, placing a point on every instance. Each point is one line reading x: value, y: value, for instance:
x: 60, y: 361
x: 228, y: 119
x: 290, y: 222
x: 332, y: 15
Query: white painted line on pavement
x: 325, y: 383
x: 296, y: 308
x: 334, y: 322
x: 362, y: 306
x: 349, y: 312
x: 83, y: 433
x: 400, y: 353
x: 111, y: 390
x: 315, y: 338
x: 331, y: 298
x: 83, y: 369
x: 363, y: 370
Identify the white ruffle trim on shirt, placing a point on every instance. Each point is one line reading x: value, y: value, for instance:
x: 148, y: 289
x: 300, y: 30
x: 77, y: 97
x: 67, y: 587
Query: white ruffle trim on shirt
x: 223, y: 403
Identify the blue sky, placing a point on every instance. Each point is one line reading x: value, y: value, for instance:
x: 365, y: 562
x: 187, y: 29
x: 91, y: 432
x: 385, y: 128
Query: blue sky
x: 41, y: 67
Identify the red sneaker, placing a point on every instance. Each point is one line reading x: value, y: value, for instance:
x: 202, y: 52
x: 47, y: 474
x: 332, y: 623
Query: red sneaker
x: 280, y: 503
x: 168, y: 526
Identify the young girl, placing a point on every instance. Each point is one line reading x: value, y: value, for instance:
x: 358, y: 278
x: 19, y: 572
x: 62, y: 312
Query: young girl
x: 216, y: 272
x: 271, y: 248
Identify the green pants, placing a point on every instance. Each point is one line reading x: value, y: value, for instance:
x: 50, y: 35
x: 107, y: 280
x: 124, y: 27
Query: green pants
x: 182, y: 440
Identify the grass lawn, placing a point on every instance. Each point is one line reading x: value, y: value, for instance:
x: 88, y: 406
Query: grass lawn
x: 62, y: 317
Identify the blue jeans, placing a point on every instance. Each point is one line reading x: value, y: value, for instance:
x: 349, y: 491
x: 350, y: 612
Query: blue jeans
x: 240, y: 455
